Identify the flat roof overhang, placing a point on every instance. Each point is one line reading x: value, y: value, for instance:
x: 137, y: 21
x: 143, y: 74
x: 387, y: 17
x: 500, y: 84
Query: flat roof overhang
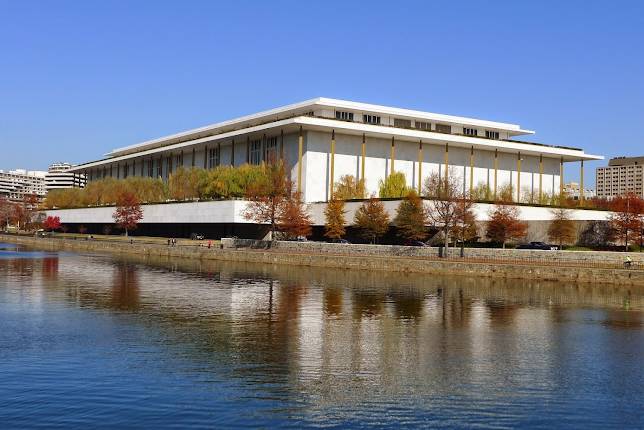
x: 301, y: 108
x: 400, y: 134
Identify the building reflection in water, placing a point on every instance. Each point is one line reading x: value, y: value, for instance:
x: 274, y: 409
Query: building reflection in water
x: 343, y: 336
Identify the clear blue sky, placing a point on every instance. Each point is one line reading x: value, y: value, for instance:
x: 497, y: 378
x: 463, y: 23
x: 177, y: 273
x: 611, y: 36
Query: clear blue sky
x: 80, y: 78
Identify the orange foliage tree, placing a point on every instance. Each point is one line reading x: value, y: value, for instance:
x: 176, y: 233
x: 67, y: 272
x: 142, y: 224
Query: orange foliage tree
x: 372, y: 219
x: 268, y: 196
x: 411, y: 217
x: 627, y: 217
x: 293, y: 220
x: 504, y: 224
x: 335, y: 220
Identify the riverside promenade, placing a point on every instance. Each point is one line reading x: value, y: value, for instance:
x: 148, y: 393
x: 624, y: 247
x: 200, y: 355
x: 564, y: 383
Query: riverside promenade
x: 563, y: 266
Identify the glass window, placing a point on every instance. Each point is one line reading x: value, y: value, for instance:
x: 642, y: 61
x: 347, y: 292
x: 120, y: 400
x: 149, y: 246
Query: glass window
x: 470, y: 131
x: 492, y: 134
x: 271, y: 155
x: 443, y: 128
x: 213, y: 157
x: 371, y: 119
x: 402, y: 123
x: 422, y: 125
x: 255, y: 156
x: 343, y: 115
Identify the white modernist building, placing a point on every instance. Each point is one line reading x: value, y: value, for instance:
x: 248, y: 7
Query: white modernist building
x: 59, y: 176
x: 322, y: 139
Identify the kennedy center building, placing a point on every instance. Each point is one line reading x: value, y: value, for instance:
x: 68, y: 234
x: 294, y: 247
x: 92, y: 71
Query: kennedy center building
x: 322, y: 139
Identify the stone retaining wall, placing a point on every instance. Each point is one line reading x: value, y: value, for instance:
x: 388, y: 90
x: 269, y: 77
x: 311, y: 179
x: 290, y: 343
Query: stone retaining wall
x: 387, y: 263
x: 415, y: 251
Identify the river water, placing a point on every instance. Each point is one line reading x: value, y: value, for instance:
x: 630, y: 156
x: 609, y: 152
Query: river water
x: 95, y: 341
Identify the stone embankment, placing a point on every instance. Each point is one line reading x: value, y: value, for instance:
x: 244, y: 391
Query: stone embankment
x: 577, y: 257
x: 398, y: 259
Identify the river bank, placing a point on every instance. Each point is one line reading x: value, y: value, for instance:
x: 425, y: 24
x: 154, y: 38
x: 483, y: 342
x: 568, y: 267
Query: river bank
x: 528, y: 270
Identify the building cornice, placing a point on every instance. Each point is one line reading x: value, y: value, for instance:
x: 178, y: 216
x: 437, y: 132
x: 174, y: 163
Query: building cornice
x: 379, y: 131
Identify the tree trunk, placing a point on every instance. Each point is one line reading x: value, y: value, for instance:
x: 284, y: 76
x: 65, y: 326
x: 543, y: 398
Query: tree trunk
x: 446, y: 242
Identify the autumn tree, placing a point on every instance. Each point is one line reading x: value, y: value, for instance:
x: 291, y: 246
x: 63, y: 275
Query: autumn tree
x: 450, y: 205
x: 626, y: 217
x: 25, y: 211
x: 294, y: 220
x: 334, y: 219
x: 52, y: 223
x: 465, y: 225
x: 562, y: 228
x: 394, y: 185
x: 268, y: 196
x: 372, y: 219
x: 481, y: 192
x: 348, y: 187
x: 128, y: 212
x: 6, y: 211
x: 184, y: 184
x: 505, y: 225
x: 225, y: 182
x: 411, y: 217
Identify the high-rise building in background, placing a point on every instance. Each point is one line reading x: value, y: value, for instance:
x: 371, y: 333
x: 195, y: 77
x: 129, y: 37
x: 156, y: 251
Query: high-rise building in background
x: 623, y: 175
x: 59, y: 177
x: 572, y: 190
x: 16, y: 184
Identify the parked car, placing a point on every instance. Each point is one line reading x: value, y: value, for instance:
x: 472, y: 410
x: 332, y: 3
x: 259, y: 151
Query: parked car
x: 538, y: 245
x: 415, y: 243
x: 344, y: 241
x: 197, y: 236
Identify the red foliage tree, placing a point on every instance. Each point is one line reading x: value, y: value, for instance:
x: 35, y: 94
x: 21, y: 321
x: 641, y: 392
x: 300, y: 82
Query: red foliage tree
x: 626, y: 218
x: 128, y: 212
x: 52, y: 223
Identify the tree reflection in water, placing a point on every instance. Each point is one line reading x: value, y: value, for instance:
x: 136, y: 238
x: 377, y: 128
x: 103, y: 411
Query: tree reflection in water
x: 341, y: 339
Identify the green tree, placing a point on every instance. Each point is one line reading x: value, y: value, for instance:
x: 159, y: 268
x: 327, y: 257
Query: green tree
x: 394, y: 185
x: 372, y: 220
x: 411, y: 217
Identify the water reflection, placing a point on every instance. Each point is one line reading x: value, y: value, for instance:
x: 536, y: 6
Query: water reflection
x: 358, y: 347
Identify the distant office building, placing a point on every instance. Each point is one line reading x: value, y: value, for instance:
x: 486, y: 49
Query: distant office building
x: 16, y: 184
x: 572, y: 190
x: 623, y: 175
x: 59, y: 177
